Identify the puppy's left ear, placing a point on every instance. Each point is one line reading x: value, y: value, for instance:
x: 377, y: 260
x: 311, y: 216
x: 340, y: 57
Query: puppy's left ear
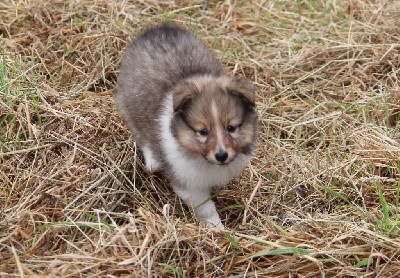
x: 243, y: 88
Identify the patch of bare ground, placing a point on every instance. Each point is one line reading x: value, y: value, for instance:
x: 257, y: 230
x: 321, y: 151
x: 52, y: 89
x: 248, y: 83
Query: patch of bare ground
x: 320, y: 198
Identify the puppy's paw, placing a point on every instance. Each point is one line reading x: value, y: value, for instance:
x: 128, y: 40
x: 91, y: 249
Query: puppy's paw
x: 215, y: 224
x: 152, y: 164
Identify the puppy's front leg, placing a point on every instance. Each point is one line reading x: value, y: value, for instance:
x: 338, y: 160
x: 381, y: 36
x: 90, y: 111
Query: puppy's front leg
x: 203, y: 206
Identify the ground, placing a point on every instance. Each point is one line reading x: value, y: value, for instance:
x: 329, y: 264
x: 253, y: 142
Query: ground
x: 320, y: 198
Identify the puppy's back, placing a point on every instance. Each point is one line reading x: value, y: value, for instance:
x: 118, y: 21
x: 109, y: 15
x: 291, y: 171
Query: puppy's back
x: 174, y: 51
x: 163, y: 56
x: 155, y: 61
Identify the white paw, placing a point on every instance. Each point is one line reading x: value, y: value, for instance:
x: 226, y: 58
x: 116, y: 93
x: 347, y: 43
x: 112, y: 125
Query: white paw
x: 152, y: 164
x: 215, y: 224
x: 214, y: 221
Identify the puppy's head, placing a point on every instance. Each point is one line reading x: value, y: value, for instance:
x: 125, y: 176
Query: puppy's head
x: 215, y: 118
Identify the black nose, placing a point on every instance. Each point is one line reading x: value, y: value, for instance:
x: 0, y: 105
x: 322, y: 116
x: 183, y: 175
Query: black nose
x: 221, y: 156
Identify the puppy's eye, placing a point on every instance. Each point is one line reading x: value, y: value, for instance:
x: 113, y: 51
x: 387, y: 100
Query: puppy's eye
x: 231, y: 128
x: 203, y: 132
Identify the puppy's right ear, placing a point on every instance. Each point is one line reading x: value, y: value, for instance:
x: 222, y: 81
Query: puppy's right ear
x: 182, y: 95
x: 243, y: 88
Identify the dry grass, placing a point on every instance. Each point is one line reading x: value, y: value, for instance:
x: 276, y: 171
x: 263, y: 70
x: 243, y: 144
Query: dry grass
x: 320, y: 199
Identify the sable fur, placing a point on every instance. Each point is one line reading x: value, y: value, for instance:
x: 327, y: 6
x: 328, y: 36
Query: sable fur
x: 171, y: 92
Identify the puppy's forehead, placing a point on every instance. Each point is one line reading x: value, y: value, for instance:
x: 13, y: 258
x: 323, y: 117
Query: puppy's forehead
x: 216, y: 103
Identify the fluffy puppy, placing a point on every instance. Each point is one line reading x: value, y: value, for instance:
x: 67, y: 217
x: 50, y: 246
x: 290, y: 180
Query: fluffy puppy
x: 190, y: 120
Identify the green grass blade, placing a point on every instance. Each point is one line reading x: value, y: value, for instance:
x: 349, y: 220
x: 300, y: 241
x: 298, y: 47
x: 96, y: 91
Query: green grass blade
x: 282, y: 251
x: 230, y: 207
x: 174, y: 269
x: 232, y: 240
x: 362, y: 263
x: 336, y: 194
x: 384, y: 204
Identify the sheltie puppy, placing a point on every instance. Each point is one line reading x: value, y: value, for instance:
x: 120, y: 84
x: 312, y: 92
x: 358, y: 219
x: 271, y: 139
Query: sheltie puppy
x: 191, y: 121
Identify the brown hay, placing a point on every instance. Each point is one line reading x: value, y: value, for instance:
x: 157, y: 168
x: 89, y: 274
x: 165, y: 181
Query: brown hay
x: 75, y: 200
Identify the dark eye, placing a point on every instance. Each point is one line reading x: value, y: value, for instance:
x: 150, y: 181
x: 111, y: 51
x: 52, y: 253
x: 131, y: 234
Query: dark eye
x: 203, y: 132
x: 231, y: 128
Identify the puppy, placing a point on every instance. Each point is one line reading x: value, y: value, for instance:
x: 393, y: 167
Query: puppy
x: 190, y: 120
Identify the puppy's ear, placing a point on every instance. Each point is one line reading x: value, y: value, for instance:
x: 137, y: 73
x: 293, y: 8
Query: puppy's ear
x: 243, y: 88
x: 182, y: 95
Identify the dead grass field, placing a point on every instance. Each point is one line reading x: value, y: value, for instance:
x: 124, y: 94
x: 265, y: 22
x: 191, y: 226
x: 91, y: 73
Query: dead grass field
x: 320, y: 198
